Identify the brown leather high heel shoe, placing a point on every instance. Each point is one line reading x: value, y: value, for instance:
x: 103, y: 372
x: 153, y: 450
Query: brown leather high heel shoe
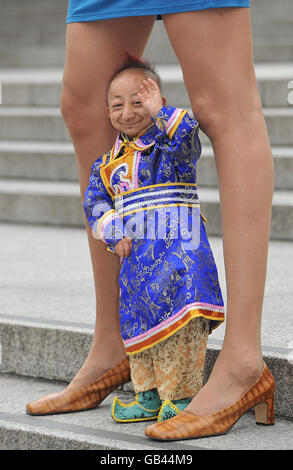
x: 84, y: 398
x: 187, y: 425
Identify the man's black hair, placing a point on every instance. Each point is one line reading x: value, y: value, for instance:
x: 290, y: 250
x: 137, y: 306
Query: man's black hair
x: 132, y: 62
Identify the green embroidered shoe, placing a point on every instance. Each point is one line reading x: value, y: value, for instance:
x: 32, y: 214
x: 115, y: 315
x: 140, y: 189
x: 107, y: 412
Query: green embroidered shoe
x: 146, y: 406
x: 169, y: 409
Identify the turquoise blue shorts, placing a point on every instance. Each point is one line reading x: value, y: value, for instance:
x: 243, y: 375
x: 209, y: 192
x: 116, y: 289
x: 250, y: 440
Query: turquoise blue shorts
x: 92, y: 10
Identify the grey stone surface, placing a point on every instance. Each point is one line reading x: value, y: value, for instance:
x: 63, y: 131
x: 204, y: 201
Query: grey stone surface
x: 35, y: 56
x: 57, y: 353
x: 55, y: 161
x: 95, y: 429
x: 282, y: 159
x: 46, y: 123
x: 279, y: 121
x: 41, y: 202
x: 54, y: 353
x: 58, y: 203
x: 42, y: 87
x: 29, y: 40
x: 47, y: 309
x: 47, y: 298
x: 46, y: 275
x: 51, y: 161
x: 32, y: 123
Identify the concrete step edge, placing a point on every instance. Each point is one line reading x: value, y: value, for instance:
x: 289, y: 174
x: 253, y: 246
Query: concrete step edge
x: 54, y: 161
x: 34, y: 146
x: 27, y: 433
x: 58, y: 203
x: 46, y: 123
x: 45, y: 147
x: 37, y: 89
x: 56, y: 350
x: 52, y: 111
x: 20, y: 431
x: 69, y: 188
x: 169, y: 72
x: 96, y: 430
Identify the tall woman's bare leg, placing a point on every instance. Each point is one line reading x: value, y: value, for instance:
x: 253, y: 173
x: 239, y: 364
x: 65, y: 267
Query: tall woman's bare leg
x: 215, y: 51
x: 93, y: 51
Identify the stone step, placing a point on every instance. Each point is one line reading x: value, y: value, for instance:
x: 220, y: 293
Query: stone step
x: 32, y: 123
x: 47, y: 307
x: 42, y: 87
x: 272, y: 37
x: 31, y: 87
x: 51, y: 55
x: 56, y: 350
x: 46, y: 123
x: 30, y: 41
x: 38, y: 160
x: 96, y: 430
x: 283, y: 166
x: 56, y: 162
x: 33, y: 56
x: 40, y: 202
x: 58, y: 203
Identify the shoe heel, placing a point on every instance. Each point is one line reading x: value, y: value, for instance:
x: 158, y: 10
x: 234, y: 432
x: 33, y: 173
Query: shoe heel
x: 264, y: 412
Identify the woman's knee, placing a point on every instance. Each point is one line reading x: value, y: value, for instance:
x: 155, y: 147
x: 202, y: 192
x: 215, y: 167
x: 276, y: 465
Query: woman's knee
x: 73, y: 112
x: 81, y: 112
x: 216, y: 117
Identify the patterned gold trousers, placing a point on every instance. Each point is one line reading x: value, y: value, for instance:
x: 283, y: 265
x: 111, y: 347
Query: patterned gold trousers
x: 174, y: 366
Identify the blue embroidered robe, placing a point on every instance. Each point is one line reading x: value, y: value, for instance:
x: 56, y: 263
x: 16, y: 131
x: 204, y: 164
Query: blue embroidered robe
x: 146, y: 189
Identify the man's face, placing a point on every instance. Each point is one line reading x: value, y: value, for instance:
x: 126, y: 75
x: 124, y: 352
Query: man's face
x: 124, y: 108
